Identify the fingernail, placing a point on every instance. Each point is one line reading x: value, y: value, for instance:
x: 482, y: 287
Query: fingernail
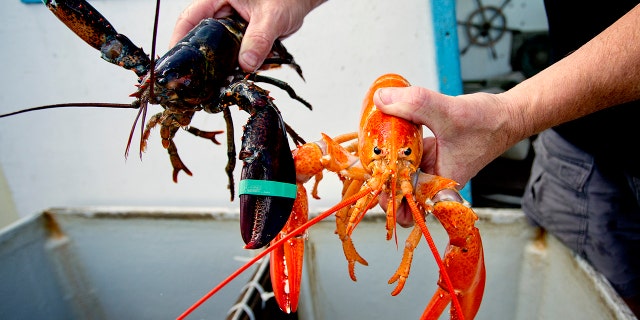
x: 250, y: 59
x: 383, y: 95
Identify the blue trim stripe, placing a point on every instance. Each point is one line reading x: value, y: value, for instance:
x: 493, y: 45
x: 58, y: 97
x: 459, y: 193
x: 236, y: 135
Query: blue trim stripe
x: 445, y: 29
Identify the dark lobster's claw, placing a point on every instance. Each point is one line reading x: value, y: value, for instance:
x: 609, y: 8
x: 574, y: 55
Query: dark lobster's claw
x: 98, y: 32
x: 267, y: 185
x: 268, y: 181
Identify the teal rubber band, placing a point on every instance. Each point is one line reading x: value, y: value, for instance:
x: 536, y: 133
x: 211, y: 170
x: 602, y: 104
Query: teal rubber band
x: 267, y: 188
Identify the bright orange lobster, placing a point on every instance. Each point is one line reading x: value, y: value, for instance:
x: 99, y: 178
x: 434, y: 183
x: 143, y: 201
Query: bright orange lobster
x: 384, y: 159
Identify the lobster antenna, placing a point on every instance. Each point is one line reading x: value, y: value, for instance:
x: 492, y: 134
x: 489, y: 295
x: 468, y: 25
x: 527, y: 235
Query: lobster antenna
x: 133, y: 129
x: 151, y: 80
x: 153, y: 41
x: 152, y: 68
x: 420, y: 221
x: 345, y: 202
x: 74, y: 105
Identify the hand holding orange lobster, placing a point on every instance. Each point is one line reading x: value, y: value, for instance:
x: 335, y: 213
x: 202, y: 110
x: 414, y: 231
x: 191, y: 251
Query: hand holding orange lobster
x: 382, y: 158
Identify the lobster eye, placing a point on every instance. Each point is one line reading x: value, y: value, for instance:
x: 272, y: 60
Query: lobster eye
x: 407, y: 152
x: 377, y: 150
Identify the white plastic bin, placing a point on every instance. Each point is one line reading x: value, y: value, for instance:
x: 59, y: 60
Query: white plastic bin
x: 153, y: 263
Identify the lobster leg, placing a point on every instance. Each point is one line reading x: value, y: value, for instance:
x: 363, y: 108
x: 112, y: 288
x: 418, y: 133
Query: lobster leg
x: 176, y: 162
x: 280, y: 84
x: 209, y: 135
x: 278, y: 56
x: 169, y: 125
x: 328, y: 154
x: 342, y: 220
x: 402, y: 273
x: 231, y: 151
x: 340, y: 160
x: 152, y: 123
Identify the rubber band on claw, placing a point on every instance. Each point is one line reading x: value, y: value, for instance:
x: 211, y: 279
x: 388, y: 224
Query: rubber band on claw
x: 267, y: 188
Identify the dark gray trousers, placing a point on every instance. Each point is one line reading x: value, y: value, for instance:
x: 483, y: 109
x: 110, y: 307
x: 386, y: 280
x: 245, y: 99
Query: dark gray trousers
x: 592, y: 207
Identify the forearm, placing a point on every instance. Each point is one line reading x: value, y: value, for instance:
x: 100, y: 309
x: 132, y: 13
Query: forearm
x: 602, y: 73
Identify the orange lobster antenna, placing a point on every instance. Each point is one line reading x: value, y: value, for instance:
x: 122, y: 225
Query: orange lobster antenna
x: 417, y: 217
x: 266, y: 251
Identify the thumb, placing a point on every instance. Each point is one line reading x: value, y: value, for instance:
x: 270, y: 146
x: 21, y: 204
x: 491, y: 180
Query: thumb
x: 388, y: 95
x: 416, y: 104
x: 400, y: 102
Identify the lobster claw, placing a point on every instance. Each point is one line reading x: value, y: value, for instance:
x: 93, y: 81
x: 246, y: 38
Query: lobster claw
x: 92, y: 27
x: 464, y: 255
x: 268, y: 180
x: 286, y: 261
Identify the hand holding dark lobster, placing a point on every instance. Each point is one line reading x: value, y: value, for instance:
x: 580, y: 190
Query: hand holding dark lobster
x: 201, y: 73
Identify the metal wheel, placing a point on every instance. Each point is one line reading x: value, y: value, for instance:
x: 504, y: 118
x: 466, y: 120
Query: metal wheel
x: 485, y: 26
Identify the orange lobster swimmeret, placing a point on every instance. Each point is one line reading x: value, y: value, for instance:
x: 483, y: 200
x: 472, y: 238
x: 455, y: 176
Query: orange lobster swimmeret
x: 383, y: 157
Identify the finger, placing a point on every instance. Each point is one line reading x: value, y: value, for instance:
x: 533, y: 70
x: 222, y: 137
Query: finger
x: 404, y: 218
x: 196, y: 12
x: 419, y: 105
x: 403, y: 214
x: 258, y: 40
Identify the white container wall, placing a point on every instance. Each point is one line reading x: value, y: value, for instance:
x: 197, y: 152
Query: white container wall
x: 152, y: 263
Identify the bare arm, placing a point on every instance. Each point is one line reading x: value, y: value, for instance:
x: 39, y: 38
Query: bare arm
x: 602, y: 73
x: 474, y: 129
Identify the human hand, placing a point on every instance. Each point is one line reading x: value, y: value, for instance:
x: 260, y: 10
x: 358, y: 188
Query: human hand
x: 268, y: 21
x: 469, y: 131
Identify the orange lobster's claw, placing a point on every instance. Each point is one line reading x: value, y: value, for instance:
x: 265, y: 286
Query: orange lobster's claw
x: 287, y: 260
x: 464, y: 256
x: 326, y: 154
x: 336, y: 158
x: 307, y: 159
